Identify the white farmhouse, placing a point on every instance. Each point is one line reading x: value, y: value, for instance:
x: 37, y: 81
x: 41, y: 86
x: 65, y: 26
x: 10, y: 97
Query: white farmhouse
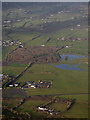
x: 10, y: 85
x: 67, y: 46
x: 42, y: 45
x: 7, y: 21
x: 78, y: 25
x: 42, y: 108
x: 16, y: 84
x: 33, y: 86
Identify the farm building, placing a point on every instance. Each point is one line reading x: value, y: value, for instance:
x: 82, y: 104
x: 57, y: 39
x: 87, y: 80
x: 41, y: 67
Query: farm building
x: 10, y: 85
x: 67, y: 46
x: 33, y: 86
x: 42, y: 108
x: 42, y: 45
x: 16, y: 84
x: 7, y: 21
x: 40, y: 84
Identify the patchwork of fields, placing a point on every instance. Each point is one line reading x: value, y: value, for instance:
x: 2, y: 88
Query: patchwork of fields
x: 39, y: 33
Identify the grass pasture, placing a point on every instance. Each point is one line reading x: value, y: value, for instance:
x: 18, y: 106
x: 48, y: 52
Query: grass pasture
x: 32, y: 24
x: 64, y: 81
x: 15, y: 68
x: 11, y: 103
x: 78, y: 110
x: 58, y: 106
x: 6, y: 50
x: 30, y: 107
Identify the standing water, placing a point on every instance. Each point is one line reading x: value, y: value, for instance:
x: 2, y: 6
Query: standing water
x: 71, y: 56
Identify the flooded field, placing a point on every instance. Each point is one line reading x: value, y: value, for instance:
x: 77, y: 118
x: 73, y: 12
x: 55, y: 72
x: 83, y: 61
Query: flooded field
x: 71, y: 56
x: 68, y: 67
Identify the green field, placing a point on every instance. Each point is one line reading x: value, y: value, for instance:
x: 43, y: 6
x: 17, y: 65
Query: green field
x: 53, y: 25
x: 63, y: 80
x: 15, y: 68
x: 29, y: 107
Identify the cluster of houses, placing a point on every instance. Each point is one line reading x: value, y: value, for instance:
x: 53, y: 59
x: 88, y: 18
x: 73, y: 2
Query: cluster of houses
x: 14, y: 85
x: 29, y: 84
x: 5, y: 78
x: 32, y: 84
x: 7, y: 23
x: 48, y: 110
x: 71, y: 39
x: 11, y: 43
x: 40, y: 84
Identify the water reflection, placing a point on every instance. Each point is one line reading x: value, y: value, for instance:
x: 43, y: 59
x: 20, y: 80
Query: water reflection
x: 68, y: 67
x: 71, y: 56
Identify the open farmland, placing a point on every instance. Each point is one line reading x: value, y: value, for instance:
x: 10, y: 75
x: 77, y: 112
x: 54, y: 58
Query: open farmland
x: 70, y: 82
x: 16, y: 69
x: 38, y: 80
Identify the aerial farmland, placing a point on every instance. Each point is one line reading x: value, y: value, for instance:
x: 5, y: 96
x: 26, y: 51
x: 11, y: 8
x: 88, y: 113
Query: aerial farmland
x: 45, y: 60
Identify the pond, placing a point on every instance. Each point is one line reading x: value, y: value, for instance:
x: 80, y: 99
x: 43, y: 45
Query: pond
x: 88, y: 57
x: 68, y: 67
x: 71, y: 56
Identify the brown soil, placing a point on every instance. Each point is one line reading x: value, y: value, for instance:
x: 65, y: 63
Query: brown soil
x: 34, y: 54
